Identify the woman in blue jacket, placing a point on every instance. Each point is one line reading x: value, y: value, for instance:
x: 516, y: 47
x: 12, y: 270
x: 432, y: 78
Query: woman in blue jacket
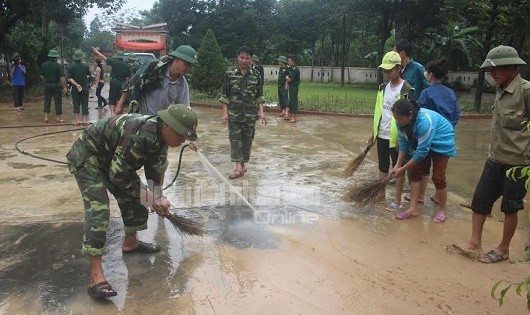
x: 426, y: 136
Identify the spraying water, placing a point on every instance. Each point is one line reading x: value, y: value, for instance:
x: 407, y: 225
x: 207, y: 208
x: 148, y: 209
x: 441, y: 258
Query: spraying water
x: 217, y: 174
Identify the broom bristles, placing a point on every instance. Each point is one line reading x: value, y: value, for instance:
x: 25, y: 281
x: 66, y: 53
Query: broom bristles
x: 354, y: 164
x: 367, y: 193
x: 185, y: 225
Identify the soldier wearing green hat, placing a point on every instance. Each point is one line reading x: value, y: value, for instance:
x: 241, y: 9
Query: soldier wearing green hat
x: 107, y: 156
x: 54, y: 79
x: 78, y: 74
x: 509, y: 147
x: 283, y: 88
x: 132, y: 62
x: 256, y: 65
x: 159, y: 83
x: 119, y: 74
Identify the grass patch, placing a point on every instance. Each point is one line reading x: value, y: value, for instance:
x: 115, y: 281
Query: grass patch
x: 332, y: 97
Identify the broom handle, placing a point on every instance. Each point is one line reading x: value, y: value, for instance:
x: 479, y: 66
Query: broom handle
x: 368, y: 147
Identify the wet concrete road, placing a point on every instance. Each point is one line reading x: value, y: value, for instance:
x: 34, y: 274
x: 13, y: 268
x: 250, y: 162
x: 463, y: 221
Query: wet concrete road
x: 303, y: 249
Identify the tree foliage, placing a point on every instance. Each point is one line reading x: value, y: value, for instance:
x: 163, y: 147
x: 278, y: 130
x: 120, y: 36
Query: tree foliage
x: 208, y: 75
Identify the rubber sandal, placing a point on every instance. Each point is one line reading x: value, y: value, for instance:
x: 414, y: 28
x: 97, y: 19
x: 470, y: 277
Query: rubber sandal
x: 407, y: 198
x: 393, y: 207
x: 101, y: 290
x: 143, y: 248
x: 439, y: 218
x: 404, y: 216
x: 45, y: 121
x: 60, y: 121
x: 492, y: 257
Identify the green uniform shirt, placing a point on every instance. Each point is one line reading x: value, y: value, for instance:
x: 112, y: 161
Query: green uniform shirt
x: 80, y: 73
x: 120, y: 69
x: 510, y: 137
x: 52, y: 71
x: 242, y: 93
x: 294, y: 73
x: 282, y: 73
x: 123, y: 144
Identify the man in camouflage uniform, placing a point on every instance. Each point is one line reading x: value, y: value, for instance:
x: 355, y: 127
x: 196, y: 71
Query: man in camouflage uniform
x: 119, y: 73
x: 242, y: 104
x: 107, y: 156
x: 54, y: 79
x: 283, y: 93
x: 159, y: 83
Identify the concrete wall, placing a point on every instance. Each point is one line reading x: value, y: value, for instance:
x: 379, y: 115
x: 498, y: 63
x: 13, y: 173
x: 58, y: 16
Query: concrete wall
x: 359, y: 75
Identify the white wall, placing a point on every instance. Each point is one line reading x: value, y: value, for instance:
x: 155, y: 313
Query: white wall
x: 358, y: 75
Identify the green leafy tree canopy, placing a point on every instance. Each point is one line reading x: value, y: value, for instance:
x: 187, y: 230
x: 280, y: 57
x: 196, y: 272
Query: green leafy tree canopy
x: 208, y: 75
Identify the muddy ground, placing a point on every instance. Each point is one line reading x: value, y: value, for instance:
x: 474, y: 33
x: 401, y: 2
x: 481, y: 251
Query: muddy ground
x: 302, y: 250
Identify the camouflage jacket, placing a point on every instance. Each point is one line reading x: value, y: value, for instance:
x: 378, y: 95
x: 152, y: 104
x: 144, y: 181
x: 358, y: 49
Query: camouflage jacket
x: 148, y: 78
x: 242, y: 93
x: 122, y: 145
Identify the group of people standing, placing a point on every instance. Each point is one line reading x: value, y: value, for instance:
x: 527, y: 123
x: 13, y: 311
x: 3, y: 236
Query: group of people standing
x: 414, y: 128
x: 80, y: 77
x: 288, y: 82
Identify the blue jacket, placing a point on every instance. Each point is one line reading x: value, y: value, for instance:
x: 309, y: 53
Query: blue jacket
x: 432, y: 132
x: 441, y: 99
x: 413, y: 73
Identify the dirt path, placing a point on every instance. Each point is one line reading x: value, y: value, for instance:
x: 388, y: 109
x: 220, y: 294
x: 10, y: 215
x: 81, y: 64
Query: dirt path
x: 350, y: 261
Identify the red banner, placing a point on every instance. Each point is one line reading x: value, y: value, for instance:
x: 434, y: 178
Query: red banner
x: 138, y: 46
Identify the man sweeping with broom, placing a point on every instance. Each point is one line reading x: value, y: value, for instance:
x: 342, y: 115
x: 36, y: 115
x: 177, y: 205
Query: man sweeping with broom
x: 106, y: 157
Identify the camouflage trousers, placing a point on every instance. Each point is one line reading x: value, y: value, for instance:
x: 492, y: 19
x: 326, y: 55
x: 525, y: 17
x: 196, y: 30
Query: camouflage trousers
x: 93, y: 183
x: 241, y: 135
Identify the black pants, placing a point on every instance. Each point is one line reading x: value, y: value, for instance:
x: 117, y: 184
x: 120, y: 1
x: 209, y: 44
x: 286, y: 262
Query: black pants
x: 18, y: 95
x: 101, y: 100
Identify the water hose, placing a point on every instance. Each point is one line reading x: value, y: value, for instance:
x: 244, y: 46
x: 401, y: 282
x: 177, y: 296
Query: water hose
x: 178, y: 167
x: 42, y: 135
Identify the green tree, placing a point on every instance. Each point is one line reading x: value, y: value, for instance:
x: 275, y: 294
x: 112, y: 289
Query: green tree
x: 208, y: 75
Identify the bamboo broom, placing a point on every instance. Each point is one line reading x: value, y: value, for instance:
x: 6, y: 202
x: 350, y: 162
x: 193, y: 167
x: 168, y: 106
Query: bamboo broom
x: 354, y: 164
x: 185, y: 225
x: 366, y: 193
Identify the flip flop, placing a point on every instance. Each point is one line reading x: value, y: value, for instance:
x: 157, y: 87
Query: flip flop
x: 439, y: 218
x: 407, y: 198
x: 473, y: 254
x: 404, y: 216
x: 143, y: 248
x: 101, y: 290
x: 492, y: 257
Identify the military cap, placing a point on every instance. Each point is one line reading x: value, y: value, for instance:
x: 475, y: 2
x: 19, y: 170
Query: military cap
x: 186, y: 53
x: 502, y: 56
x: 181, y: 119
